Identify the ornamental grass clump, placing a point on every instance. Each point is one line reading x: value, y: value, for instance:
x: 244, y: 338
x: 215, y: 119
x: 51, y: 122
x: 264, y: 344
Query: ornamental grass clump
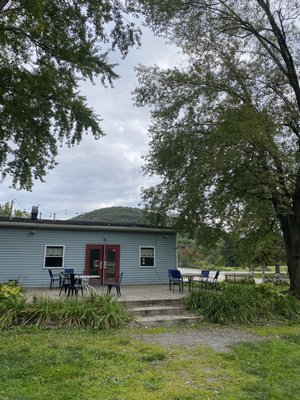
x: 12, y: 311
x: 98, y: 312
x: 101, y: 312
x: 244, y: 304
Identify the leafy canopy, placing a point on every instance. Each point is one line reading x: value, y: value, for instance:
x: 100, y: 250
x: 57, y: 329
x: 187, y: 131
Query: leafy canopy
x: 225, y: 125
x: 46, y: 49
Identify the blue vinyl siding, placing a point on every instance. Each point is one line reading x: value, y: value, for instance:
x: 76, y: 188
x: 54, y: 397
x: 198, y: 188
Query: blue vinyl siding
x: 22, y: 253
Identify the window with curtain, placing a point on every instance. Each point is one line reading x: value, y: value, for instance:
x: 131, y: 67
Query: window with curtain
x: 54, y: 257
x: 147, y: 257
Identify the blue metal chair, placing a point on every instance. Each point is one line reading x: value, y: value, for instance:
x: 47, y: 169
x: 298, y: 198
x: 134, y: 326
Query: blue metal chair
x: 54, y: 278
x: 202, y: 279
x: 69, y: 271
x: 204, y: 274
x: 175, y: 278
x: 212, y: 282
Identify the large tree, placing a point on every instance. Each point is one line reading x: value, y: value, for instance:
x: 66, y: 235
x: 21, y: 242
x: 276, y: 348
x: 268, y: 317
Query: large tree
x: 225, y: 130
x: 46, y: 48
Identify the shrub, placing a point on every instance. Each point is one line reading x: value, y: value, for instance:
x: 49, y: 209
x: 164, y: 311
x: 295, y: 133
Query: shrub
x: 100, y: 312
x: 10, y: 289
x: 244, y: 304
x: 12, y: 304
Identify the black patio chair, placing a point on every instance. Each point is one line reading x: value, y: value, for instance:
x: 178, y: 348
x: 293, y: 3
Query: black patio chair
x: 65, y: 283
x: 54, y: 278
x: 75, y: 285
x: 117, y: 285
x: 175, y: 278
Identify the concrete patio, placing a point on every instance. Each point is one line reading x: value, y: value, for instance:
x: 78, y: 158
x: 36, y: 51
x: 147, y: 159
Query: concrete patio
x: 129, y: 292
x: 132, y: 292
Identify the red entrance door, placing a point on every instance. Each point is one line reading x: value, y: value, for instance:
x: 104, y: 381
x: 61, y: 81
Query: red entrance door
x: 103, y: 260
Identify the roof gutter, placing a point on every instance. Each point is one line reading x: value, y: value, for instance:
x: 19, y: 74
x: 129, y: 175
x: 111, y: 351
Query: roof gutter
x: 108, y: 228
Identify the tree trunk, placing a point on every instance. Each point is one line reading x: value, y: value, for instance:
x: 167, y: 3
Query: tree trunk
x: 294, y: 273
x: 291, y: 233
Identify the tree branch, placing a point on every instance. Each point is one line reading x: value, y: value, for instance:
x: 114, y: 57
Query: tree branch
x: 284, y: 50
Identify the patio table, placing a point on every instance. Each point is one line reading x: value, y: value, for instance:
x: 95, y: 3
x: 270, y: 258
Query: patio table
x: 86, y: 281
x: 191, y: 276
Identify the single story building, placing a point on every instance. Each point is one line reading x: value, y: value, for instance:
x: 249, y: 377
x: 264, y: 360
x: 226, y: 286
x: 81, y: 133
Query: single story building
x: 29, y: 247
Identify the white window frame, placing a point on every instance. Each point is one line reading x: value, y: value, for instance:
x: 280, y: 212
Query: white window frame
x: 63, y: 255
x: 154, y: 257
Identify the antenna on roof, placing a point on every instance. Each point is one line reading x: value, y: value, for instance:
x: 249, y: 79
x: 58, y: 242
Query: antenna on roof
x: 12, y: 208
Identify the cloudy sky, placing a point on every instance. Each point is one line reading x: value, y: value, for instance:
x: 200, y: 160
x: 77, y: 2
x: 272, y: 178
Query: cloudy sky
x: 106, y: 172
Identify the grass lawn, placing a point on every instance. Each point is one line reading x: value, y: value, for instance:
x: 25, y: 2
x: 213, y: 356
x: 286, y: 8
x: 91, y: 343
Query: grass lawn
x: 115, y: 365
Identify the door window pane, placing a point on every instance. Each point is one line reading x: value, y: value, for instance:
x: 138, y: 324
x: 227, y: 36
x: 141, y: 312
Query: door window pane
x: 95, y: 257
x: 111, y: 265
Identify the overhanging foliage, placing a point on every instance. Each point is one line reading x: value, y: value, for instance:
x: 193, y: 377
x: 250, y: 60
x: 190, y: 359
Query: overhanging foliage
x: 46, y: 49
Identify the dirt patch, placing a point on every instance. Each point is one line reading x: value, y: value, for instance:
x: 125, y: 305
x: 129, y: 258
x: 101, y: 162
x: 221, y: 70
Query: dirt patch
x: 219, y: 339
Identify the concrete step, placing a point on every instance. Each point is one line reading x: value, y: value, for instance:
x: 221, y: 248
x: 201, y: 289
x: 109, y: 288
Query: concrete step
x: 157, y: 310
x: 160, y: 313
x: 166, y: 320
x: 149, y: 303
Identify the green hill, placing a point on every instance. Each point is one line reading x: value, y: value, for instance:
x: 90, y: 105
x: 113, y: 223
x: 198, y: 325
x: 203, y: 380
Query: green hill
x: 119, y: 215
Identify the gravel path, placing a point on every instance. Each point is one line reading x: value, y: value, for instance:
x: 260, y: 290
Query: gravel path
x: 219, y: 339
